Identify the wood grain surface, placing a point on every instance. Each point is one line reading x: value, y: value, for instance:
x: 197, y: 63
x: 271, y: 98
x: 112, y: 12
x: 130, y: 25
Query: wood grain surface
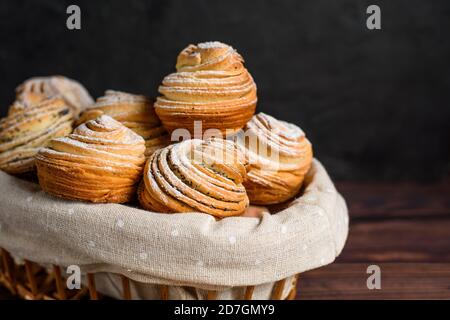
x: 398, y: 281
x: 402, y: 228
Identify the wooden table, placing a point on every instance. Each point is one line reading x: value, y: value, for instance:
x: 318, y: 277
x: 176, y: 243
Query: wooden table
x: 403, y: 228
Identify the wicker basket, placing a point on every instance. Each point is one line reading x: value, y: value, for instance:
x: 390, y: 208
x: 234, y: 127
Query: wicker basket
x: 32, y: 268
x: 33, y: 282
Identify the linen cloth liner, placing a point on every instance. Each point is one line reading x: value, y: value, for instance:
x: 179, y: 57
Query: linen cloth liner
x: 189, y: 249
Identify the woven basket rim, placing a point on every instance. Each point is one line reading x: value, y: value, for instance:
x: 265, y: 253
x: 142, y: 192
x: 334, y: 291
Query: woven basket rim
x: 204, y: 236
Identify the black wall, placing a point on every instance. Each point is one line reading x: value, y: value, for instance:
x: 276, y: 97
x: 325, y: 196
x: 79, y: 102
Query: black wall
x: 375, y: 104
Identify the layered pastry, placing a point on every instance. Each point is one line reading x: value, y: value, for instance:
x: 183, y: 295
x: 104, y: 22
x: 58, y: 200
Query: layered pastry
x: 135, y: 112
x: 211, y: 87
x: 101, y: 161
x: 23, y: 132
x: 279, y: 157
x: 196, y: 176
x: 39, y: 88
x: 26, y: 101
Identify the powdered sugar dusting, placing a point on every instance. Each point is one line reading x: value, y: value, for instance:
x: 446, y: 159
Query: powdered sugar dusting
x: 212, y: 45
x: 112, y: 97
x: 273, y: 145
x: 207, y: 77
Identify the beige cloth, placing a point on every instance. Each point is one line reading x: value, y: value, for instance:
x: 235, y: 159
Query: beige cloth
x: 190, y: 249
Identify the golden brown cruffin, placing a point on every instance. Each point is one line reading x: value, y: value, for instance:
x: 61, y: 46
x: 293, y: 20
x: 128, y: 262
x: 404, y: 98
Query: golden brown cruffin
x: 22, y: 133
x: 195, y: 175
x: 101, y: 161
x: 279, y: 156
x: 211, y: 85
x: 38, y: 88
x: 135, y: 112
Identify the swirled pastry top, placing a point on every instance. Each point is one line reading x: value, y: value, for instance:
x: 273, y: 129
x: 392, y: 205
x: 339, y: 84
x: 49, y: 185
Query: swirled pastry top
x: 279, y: 156
x: 101, y: 161
x: 274, y: 144
x: 211, y: 85
x: 196, y: 175
x: 23, y: 133
x: 73, y: 93
x: 135, y: 112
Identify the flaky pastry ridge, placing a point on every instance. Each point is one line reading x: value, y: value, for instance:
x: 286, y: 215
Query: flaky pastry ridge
x: 196, y: 175
x: 211, y: 86
x: 101, y: 161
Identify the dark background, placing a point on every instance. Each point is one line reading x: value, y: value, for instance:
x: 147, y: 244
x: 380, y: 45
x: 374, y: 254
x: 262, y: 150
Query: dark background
x: 375, y: 104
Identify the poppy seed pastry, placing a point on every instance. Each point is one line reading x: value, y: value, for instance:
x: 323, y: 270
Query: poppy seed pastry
x: 211, y: 85
x: 101, y: 161
x: 23, y: 132
x: 26, y: 101
x: 133, y: 111
x: 196, y: 175
x: 73, y: 93
x: 279, y: 156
